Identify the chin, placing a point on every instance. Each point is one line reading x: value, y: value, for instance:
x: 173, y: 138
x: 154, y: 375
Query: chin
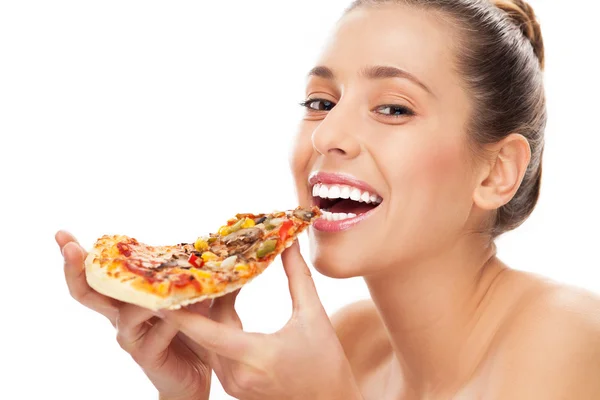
x: 336, y: 258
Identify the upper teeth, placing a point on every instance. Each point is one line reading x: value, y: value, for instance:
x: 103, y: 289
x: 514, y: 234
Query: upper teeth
x: 344, y: 192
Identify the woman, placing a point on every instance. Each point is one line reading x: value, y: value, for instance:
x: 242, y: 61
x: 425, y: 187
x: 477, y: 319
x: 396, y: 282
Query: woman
x: 425, y: 119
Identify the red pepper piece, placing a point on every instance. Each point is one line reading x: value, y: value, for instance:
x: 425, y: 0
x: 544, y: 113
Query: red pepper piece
x: 195, y: 261
x: 283, y: 231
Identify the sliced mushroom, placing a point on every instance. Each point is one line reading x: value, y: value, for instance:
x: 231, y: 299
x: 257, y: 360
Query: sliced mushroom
x: 304, y: 215
x: 168, y: 264
x: 242, y: 240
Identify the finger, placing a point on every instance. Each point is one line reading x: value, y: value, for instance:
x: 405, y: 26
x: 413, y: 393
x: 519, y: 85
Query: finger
x: 302, y: 287
x: 214, y: 336
x: 159, y: 336
x: 132, y: 324
x: 74, y: 271
x: 131, y: 319
x: 202, y: 307
x: 223, y: 310
x: 192, y: 345
x: 64, y: 237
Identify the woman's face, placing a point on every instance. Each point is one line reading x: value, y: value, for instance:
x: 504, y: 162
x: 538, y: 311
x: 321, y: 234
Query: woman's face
x: 385, y: 116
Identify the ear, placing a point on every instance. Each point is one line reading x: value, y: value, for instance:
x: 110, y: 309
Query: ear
x: 503, y: 173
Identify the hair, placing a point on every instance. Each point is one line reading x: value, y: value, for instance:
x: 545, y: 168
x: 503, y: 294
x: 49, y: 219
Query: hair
x: 500, y: 56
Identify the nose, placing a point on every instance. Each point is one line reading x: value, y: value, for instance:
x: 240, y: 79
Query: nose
x: 336, y: 134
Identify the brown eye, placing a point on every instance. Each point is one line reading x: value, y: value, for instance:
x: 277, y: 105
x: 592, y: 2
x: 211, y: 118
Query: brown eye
x: 318, y: 104
x: 394, y: 110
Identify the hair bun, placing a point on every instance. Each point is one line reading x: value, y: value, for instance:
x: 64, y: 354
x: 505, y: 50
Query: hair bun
x: 522, y: 14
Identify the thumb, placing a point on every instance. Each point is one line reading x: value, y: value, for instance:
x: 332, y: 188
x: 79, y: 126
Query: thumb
x: 302, y: 287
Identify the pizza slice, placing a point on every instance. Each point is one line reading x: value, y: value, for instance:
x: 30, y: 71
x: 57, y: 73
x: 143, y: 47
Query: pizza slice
x: 159, y: 277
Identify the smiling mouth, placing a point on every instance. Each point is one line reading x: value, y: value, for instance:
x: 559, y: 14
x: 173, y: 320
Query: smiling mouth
x: 343, y: 201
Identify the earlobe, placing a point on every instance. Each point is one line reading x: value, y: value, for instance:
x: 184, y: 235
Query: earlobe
x: 503, y: 173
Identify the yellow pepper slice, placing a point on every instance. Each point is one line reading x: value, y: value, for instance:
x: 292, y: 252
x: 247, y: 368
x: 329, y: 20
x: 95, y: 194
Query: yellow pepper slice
x: 248, y: 223
x: 242, y: 267
x: 201, y: 245
x: 198, y: 273
x: 208, y: 256
x: 224, y: 230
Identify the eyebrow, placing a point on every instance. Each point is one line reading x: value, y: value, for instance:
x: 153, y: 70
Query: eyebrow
x: 375, y: 72
x: 322, y: 72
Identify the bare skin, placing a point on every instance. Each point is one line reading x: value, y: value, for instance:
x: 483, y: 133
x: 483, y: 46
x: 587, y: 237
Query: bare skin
x: 524, y: 333
x: 447, y: 319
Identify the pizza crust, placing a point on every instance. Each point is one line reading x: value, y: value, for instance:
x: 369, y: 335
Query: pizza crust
x: 100, y: 281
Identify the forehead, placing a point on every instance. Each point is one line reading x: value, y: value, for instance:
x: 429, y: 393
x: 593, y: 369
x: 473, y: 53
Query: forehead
x: 415, y: 40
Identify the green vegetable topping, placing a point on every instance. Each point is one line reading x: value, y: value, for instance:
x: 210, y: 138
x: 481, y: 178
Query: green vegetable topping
x: 266, y: 248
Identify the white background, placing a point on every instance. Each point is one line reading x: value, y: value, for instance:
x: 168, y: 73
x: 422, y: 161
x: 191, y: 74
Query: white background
x: 137, y: 117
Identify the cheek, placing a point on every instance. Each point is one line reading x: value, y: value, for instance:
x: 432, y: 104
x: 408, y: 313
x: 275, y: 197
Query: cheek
x: 432, y: 185
x: 440, y: 168
x: 426, y: 167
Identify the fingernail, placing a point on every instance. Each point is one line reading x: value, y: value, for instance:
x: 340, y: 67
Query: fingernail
x: 158, y: 313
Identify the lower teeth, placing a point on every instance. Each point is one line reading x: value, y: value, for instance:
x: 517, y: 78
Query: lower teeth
x: 329, y: 216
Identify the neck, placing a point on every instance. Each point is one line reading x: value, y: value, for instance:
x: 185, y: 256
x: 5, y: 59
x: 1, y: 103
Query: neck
x: 431, y: 308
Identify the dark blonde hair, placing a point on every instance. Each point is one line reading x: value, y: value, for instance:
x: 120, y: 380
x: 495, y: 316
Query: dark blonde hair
x: 500, y: 56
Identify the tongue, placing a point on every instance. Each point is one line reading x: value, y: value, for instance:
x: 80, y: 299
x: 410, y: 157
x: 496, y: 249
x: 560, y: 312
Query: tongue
x: 351, y: 206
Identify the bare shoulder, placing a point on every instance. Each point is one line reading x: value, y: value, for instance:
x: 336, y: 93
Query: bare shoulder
x: 362, y: 334
x: 550, y: 346
x: 555, y: 312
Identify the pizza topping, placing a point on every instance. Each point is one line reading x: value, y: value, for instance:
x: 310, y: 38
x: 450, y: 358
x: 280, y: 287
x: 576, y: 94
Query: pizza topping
x: 248, y: 223
x: 209, y: 256
x: 237, y: 226
x: 124, y: 249
x: 242, y: 223
x: 168, y: 264
x: 304, y: 215
x: 266, y: 247
x: 201, y: 244
x: 213, y: 265
x: 229, y: 262
x: 260, y: 220
x: 242, y: 240
x: 182, y: 280
x: 224, y: 230
x: 273, y: 223
x: 195, y: 260
x: 200, y: 273
x: 285, y: 229
x: 242, y: 267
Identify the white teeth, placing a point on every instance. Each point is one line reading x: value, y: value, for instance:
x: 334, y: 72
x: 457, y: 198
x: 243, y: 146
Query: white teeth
x: 355, y: 194
x: 334, y: 192
x: 345, y: 192
x: 365, y: 196
x: 329, y: 216
x: 323, y: 192
x: 316, y: 189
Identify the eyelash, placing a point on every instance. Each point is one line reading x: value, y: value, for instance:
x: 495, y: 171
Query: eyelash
x: 405, y: 111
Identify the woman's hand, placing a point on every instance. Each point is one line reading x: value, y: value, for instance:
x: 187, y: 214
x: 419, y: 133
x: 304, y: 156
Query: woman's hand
x: 175, y: 365
x: 304, y: 360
